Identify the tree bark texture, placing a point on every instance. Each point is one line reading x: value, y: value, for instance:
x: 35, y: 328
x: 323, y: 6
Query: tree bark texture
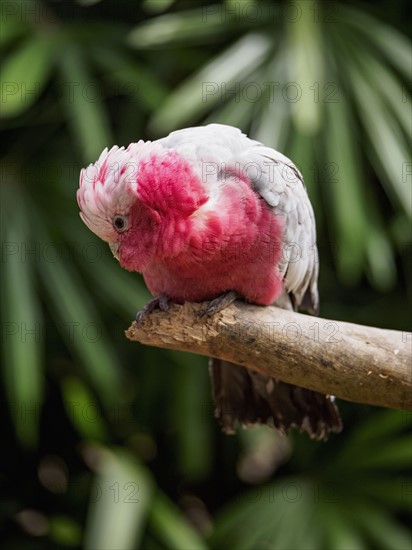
x: 353, y: 362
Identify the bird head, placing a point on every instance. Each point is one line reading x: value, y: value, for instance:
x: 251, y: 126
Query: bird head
x: 140, y: 200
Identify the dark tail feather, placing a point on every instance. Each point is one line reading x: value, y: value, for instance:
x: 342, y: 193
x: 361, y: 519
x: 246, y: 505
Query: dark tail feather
x: 250, y: 397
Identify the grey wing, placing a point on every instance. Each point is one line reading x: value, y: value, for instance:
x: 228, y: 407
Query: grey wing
x: 280, y: 184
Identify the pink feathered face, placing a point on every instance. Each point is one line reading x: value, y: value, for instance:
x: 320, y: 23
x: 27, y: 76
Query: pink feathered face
x: 129, y: 195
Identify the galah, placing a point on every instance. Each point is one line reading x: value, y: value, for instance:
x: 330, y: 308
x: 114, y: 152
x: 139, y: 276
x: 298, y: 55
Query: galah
x: 207, y: 213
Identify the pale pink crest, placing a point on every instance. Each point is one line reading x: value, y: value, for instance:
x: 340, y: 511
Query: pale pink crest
x: 110, y: 186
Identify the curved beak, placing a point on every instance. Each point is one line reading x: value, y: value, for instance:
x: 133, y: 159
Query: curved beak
x: 114, y: 247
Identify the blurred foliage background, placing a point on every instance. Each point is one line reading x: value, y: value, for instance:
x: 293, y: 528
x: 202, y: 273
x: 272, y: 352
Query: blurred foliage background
x: 107, y: 444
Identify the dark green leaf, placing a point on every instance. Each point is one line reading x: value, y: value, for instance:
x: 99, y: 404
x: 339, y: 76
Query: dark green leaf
x: 26, y: 72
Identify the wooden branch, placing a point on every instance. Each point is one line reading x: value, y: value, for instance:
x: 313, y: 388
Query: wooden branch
x: 353, y: 362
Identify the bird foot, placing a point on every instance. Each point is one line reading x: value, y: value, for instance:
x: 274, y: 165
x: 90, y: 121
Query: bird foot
x: 220, y: 303
x: 160, y: 302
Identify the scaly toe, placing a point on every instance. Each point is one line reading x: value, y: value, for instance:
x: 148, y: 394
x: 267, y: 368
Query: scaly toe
x: 160, y: 302
x: 219, y: 304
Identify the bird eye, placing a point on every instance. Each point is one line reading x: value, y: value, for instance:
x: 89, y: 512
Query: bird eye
x: 120, y: 223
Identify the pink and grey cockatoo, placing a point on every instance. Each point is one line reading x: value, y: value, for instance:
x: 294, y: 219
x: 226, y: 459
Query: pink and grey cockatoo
x: 208, y: 214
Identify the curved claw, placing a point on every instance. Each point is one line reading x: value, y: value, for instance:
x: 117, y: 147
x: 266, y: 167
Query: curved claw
x: 160, y: 302
x: 219, y: 303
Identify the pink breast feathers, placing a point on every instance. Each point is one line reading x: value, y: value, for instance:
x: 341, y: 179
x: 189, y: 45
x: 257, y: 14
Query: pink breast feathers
x: 231, y: 241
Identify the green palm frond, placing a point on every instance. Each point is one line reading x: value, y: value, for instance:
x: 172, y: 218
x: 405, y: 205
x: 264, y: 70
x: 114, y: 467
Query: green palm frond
x: 340, y: 506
